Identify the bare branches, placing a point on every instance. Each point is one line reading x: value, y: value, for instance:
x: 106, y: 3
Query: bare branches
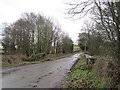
x: 81, y: 8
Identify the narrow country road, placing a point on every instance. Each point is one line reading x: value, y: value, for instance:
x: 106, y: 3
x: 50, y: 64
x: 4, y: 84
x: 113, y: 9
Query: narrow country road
x: 48, y: 74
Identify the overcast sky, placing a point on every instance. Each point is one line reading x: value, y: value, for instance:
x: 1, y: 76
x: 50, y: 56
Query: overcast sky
x: 11, y: 10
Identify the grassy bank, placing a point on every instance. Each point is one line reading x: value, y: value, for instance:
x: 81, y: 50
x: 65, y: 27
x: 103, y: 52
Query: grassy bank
x: 19, y: 62
x: 82, y: 78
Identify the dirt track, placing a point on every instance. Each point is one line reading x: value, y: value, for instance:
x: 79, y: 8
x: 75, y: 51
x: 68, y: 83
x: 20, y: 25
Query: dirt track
x: 49, y: 74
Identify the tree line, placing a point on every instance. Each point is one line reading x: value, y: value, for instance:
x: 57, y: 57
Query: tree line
x: 34, y: 33
x: 101, y: 35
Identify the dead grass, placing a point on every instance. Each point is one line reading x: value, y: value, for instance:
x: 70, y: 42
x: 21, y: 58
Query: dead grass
x: 100, y: 67
x: 106, y: 69
x: 8, y: 60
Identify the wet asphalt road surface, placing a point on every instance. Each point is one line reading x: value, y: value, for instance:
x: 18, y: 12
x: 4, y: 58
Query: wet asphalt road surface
x: 49, y: 74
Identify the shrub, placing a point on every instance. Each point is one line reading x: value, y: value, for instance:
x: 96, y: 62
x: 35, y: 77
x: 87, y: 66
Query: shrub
x: 35, y: 57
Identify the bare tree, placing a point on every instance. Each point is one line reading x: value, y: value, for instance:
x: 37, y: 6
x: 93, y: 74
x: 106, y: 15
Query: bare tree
x: 107, y: 16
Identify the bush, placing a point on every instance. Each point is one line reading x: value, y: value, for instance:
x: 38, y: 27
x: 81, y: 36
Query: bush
x: 35, y: 57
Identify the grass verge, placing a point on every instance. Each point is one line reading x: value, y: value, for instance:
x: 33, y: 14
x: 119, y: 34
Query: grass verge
x: 50, y: 56
x: 82, y: 78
